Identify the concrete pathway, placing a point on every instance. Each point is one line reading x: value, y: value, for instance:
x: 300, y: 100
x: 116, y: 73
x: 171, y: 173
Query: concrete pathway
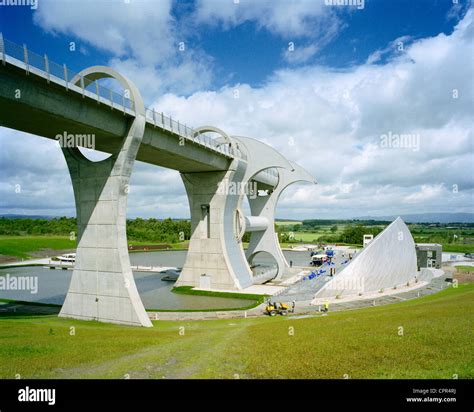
x: 304, y: 309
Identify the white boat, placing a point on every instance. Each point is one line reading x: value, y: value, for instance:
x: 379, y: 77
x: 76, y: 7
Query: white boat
x: 67, y: 258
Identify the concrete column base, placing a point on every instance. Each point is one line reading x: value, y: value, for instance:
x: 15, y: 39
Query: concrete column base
x: 102, y: 286
x: 215, y: 257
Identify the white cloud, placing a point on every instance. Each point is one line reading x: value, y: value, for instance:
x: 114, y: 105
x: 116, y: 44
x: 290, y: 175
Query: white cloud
x: 286, y: 18
x: 300, y: 54
x: 427, y: 193
x: 329, y: 121
x: 141, y: 28
x: 142, y: 37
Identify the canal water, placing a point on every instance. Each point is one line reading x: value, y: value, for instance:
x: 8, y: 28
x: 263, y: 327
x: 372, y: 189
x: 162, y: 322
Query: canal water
x: 52, y: 285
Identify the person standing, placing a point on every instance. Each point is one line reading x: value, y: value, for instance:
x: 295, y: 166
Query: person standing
x: 326, y: 307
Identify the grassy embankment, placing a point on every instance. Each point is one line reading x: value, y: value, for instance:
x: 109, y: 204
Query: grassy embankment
x: 436, y: 343
x: 465, y: 268
x: 253, y: 299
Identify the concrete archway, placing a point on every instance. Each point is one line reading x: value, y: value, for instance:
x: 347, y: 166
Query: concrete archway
x: 102, y: 285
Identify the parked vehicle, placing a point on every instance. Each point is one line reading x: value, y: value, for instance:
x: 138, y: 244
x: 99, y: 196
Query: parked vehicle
x: 275, y: 308
x: 318, y: 259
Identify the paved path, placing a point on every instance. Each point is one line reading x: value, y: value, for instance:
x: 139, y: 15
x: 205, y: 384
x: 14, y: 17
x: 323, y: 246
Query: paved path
x: 304, y: 308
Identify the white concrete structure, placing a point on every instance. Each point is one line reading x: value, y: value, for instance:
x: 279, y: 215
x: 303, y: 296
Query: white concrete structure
x: 102, y: 285
x: 266, y: 239
x: 216, y: 259
x: 367, y: 239
x: 214, y: 172
x: 388, y: 261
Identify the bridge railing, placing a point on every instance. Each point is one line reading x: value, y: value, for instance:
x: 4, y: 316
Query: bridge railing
x: 39, y: 65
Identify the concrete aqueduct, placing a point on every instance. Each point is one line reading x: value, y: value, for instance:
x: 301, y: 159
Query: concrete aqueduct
x: 54, y: 100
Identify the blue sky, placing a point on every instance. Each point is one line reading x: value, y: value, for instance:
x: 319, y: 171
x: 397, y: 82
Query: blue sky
x: 248, y: 53
x: 345, y: 86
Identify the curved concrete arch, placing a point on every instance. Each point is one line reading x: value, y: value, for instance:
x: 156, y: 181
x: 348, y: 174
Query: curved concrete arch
x: 215, y: 248
x: 94, y: 73
x: 212, y: 129
x: 102, y: 285
x: 261, y: 156
x: 265, y: 206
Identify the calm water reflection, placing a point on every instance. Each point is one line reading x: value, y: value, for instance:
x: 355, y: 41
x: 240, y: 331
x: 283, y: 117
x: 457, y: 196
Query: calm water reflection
x: 155, y: 293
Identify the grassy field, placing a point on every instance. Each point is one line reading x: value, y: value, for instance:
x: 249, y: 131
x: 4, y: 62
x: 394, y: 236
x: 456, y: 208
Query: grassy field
x: 460, y: 248
x: 288, y: 222
x: 312, y: 237
x: 24, y: 247
x: 465, y: 268
x: 436, y: 343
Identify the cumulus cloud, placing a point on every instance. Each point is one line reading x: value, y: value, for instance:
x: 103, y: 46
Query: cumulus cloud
x: 299, y: 54
x: 329, y: 121
x: 285, y: 18
x: 35, y: 180
x: 308, y: 25
x: 332, y: 121
x: 143, y: 38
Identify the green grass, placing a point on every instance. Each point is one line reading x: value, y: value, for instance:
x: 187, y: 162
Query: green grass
x: 460, y: 248
x: 288, y: 222
x: 23, y: 246
x: 437, y: 343
x: 465, y: 268
x: 189, y: 290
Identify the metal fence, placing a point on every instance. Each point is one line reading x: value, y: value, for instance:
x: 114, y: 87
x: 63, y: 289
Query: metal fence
x: 31, y: 62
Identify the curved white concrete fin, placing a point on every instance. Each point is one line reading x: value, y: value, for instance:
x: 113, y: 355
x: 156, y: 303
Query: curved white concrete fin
x: 94, y: 73
x: 261, y: 156
x: 300, y: 174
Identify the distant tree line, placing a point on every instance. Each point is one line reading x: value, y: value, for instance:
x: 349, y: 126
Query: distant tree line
x: 351, y: 234
x: 353, y: 231
x: 147, y: 230
x: 313, y: 224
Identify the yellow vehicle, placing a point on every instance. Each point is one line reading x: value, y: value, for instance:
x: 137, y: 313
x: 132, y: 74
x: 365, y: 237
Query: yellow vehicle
x: 275, y: 308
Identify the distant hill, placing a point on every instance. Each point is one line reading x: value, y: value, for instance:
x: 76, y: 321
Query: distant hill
x: 428, y: 218
x: 13, y: 216
x: 44, y: 217
x: 410, y: 218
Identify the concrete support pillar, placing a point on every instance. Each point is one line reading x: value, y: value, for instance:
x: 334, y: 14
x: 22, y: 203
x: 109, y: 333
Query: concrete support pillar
x: 215, y: 257
x: 266, y: 240
x: 102, y: 286
x: 265, y: 206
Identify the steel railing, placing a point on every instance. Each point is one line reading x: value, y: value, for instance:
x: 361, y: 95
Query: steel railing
x: 34, y: 63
